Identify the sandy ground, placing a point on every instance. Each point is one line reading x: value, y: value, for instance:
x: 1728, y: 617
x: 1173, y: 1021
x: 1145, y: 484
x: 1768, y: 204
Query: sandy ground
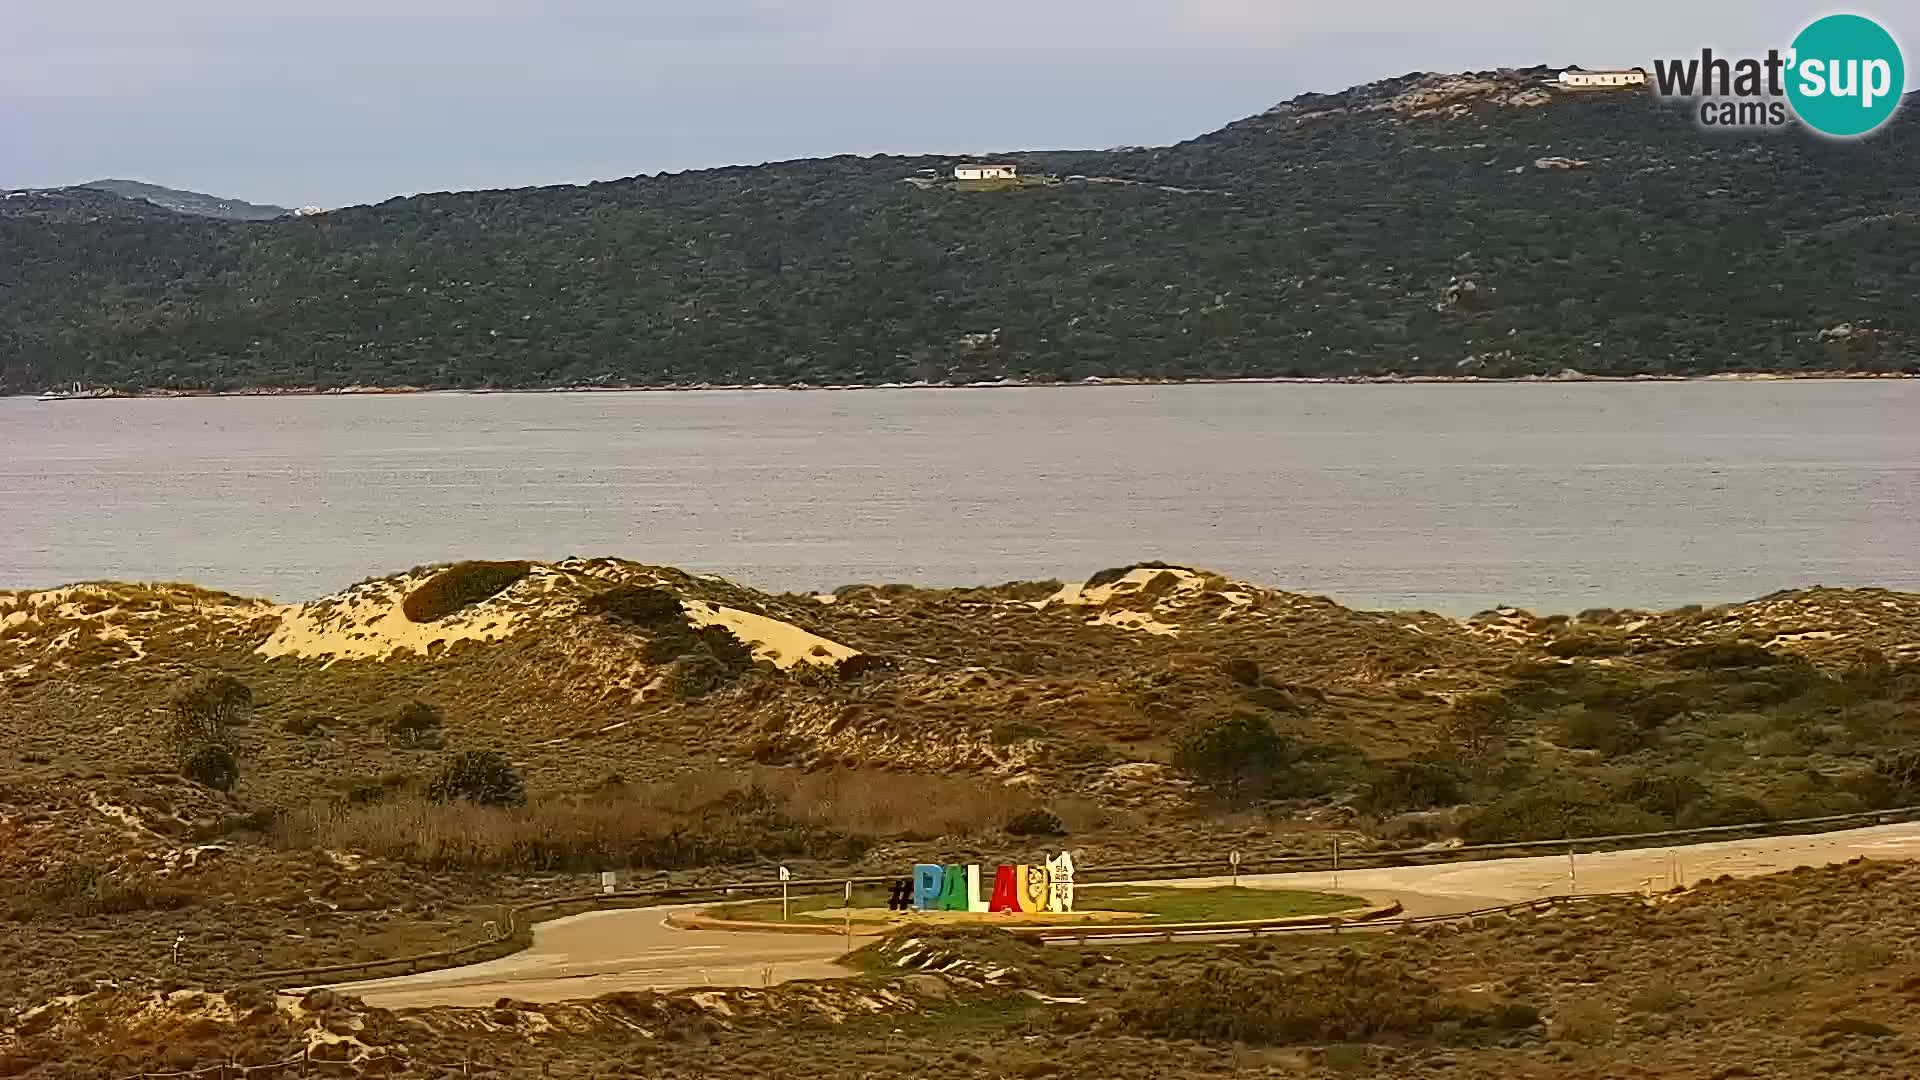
x: 601, y: 952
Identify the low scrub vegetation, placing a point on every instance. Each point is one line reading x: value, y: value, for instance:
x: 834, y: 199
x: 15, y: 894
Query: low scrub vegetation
x: 461, y: 586
x: 703, y: 819
x: 1351, y: 999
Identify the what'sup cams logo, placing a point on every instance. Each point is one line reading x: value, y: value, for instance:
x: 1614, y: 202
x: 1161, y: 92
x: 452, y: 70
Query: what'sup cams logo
x: 1842, y: 77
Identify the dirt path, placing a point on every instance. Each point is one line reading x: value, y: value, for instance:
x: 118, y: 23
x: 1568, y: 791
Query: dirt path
x: 601, y: 952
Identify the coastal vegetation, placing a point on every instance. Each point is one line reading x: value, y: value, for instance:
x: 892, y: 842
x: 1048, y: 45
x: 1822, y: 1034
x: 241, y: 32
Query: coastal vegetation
x: 1472, y: 225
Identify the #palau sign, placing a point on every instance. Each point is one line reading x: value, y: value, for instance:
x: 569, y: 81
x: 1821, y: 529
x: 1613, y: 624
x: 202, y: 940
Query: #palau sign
x: 1019, y: 888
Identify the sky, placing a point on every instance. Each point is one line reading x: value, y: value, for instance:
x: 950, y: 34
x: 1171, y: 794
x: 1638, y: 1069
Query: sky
x: 337, y: 102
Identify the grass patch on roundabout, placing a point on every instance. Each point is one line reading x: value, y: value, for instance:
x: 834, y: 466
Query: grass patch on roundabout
x: 1146, y: 904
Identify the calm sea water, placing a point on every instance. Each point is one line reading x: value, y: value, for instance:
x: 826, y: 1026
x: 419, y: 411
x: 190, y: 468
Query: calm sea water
x: 1449, y: 497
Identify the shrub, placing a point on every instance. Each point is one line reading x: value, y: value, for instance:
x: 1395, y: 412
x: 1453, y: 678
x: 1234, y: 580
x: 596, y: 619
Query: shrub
x: 416, y: 725
x: 1399, y: 786
x: 637, y: 605
x: 1115, y: 573
x: 1894, y: 779
x: 213, y: 767
x: 860, y: 665
x: 1347, y: 1000
x: 696, y: 675
x: 303, y: 724
x: 1655, y: 710
x: 1588, y: 729
x: 1726, y: 654
x: 83, y: 889
x: 1664, y: 793
x: 1547, y: 811
x: 1036, y: 822
x: 1575, y: 645
x: 1240, y: 758
x: 478, y: 776
x: 203, y: 711
x: 461, y: 586
x: 1718, y: 810
x: 1478, y: 724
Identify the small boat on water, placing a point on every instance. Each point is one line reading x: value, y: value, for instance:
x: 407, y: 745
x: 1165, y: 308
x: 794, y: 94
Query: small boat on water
x: 64, y: 395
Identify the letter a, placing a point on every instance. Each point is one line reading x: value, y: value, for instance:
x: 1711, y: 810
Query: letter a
x: 1006, y: 890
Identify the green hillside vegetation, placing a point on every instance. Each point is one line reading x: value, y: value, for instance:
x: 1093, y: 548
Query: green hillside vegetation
x: 1437, y: 225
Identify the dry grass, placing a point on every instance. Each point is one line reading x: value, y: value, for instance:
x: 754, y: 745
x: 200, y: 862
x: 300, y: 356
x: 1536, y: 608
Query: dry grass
x: 705, y: 818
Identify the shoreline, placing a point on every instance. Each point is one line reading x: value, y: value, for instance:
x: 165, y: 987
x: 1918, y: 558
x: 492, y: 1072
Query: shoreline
x: 998, y: 384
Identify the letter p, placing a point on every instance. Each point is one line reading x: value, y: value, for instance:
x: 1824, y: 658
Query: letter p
x: 929, y: 879
x: 1875, y: 81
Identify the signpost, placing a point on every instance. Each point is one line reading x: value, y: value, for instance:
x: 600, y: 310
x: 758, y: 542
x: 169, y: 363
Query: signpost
x: 786, y: 875
x: 1234, y: 858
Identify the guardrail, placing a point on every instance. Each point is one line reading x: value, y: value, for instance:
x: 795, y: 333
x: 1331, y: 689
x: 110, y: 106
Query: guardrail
x: 514, y: 931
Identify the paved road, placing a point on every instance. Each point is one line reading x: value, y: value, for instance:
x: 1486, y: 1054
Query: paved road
x: 601, y: 952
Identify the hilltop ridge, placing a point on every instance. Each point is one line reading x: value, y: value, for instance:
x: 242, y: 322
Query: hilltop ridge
x: 1481, y: 225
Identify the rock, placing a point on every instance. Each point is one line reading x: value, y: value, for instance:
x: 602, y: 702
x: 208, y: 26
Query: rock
x: 931, y: 987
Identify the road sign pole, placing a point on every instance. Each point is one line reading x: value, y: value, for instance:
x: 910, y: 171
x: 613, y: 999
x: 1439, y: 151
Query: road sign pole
x: 1234, y: 858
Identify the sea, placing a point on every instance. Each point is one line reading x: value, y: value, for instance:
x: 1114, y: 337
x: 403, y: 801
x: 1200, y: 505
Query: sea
x: 1455, y: 498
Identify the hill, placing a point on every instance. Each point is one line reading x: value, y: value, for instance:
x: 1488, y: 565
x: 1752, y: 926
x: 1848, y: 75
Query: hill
x: 1482, y: 224
x: 190, y: 202
x: 85, y: 203
x: 194, y: 764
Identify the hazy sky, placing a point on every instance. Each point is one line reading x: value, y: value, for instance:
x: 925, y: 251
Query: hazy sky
x: 343, y: 101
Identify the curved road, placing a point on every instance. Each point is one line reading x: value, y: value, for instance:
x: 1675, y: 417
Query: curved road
x: 604, y: 951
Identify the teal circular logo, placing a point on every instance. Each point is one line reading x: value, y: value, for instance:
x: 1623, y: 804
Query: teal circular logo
x: 1847, y: 75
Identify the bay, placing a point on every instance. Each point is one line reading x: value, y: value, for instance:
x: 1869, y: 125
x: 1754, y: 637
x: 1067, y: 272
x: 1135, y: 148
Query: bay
x: 1450, y: 497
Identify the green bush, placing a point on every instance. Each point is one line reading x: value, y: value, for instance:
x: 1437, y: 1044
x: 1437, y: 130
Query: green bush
x: 1036, y: 822
x: 1477, y: 726
x: 1575, y: 645
x: 637, y: 605
x: 82, y: 889
x: 1550, y: 811
x: 1352, y: 999
x: 416, y: 725
x: 1718, y: 810
x: 461, y: 586
x: 1655, y: 710
x: 1241, y: 758
x: 1663, y: 793
x: 1588, y: 729
x: 1400, y: 786
x: 203, y: 711
x: 478, y: 776
x: 213, y: 767
x: 1726, y: 654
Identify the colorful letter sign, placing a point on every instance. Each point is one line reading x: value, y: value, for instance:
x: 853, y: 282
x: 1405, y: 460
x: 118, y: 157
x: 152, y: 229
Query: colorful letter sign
x: 1022, y: 888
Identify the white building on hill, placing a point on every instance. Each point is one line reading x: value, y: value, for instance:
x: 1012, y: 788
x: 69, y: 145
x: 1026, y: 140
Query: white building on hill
x: 1603, y: 79
x: 973, y: 171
